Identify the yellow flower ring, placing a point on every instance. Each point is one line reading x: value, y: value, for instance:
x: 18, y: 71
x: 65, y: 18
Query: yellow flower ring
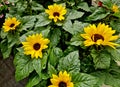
x: 100, y: 35
x: 34, y: 45
x: 62, y: 80
x: 56, y: 12
x: 10, y: 24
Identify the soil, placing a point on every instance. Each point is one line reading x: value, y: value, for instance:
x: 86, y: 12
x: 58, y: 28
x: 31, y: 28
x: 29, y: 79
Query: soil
x: 7, y: 74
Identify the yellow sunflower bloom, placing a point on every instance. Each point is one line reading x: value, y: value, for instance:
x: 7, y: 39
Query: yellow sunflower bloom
x: 56, y: 12
x: 62, y: 80
x: 10, y: 24
x: 34, y: 45
x: 100, y: 35
x: 115, y: 8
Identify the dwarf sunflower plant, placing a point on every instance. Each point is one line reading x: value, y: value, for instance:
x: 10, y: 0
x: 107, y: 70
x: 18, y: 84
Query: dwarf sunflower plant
x: 63, y: 43
x: 100, y: 35
x: 10, y: 24
x: 34, y: 45
x: 115, y: 8
x: 56, y: 12
x: 63, y: 80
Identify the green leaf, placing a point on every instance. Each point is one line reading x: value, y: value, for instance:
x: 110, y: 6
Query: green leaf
x: 5, y: 49
x: 70, y: 62
x: 27, y: 22
x: 55, y: 54
x: 115, y: 25
x: 51, y: 69
x: 101, y: 59
x: 67, y: 26
x: 42, y: 20
x: 24, y: 66
x: 42, y: 83
x: 54, y: 37
x: 107, y: 3
x: 76, y: 40
x: 44, y: 60
x: 33, y: 80
x: 37, y: 6
x: 83, y: 80
x: 115, y: 53
x: 107, y: 78
x: 37, y: 66
x: 84, y: 6
x: 117, y: 14
x: 110, y: 80
x: 3, y: 34
x: 98, y: 14
x: 44, y: 30
x: 13, y: 39
x: 75, y: 28
x: 101, y: 78
x: 73, y: 14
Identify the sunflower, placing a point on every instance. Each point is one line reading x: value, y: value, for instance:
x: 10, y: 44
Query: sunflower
x: 34, y: 45
x: 56, y: 12
x: 115, y: 8
x: 10, y: 24
x: 63, y: 80
x: 100, y: 35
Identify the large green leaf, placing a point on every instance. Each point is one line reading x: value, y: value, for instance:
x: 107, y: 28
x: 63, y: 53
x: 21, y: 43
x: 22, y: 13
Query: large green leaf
x: 76, y: 27
x: 101, y: 59
x: 33, y: 80
x: 44, y: 60
x: 24, y: 66
x: 70, y: 62
x: 43, y: 30
x: 76, y: 40
x: 13, y: 39
x: 107, y: 3
x: 54, y: 36
x: 27, y: 22
x: 5, y: 49
x: 98, y: 14
x: 115, y: 25
x: 37, y: 6
x: 115, y: 53
x: 42, y: 20
x: 55, y: 54
x: 37, y: 66
x: 101, y: 78
x: 51, y: 69
x: 74, y: 14
x: 107, y: 78
x: 84, y: 6
x: 83, y: 80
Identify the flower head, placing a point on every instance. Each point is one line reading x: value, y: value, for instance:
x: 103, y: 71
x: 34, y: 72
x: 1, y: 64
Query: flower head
x: 34, y: 45
x: 56, y: 12
x: 115, y: 8
x: 100, y: 3
x: 62, y: 80
x: 100, y: 35
x: 10, y: 24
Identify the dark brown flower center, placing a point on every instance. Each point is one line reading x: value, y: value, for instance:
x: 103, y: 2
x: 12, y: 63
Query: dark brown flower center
x: 62, y: 84
x: 96, y: 37
x: 12, y: 25
x: 56, y: 14
x: 36, y: 46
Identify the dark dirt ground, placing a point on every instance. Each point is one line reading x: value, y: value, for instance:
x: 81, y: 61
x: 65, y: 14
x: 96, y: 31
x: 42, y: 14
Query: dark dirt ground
x: 7, y: 74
